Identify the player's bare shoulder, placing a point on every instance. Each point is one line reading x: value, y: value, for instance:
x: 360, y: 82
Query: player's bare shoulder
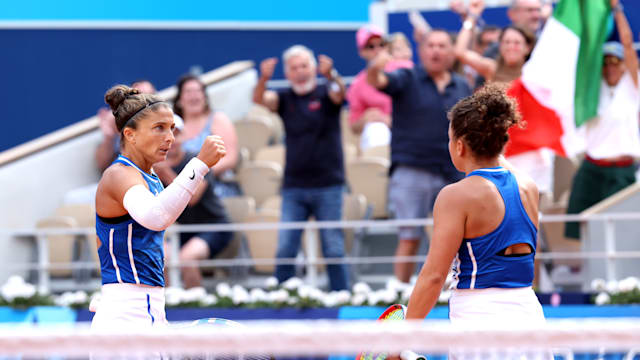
x: 526, y: 185
x: 119, y: 176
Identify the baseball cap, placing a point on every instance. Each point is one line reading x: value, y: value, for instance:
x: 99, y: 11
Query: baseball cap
x: 613, y: 48
x: 367, y: 32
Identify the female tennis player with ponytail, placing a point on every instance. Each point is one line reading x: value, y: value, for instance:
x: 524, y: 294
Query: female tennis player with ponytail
x: 487, y: 222
x: 133, y: 209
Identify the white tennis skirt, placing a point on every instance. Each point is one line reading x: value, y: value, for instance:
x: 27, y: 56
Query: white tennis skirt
x: 489, y: 306
x: 503, y: 308
x: 129, y: 306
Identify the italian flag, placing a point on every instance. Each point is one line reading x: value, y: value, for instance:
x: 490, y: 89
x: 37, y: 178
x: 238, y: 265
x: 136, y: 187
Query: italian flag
x: 560, y: 84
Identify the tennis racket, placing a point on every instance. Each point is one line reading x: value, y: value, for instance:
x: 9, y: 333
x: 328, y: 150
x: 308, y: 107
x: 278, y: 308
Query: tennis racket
x: 392, y: 313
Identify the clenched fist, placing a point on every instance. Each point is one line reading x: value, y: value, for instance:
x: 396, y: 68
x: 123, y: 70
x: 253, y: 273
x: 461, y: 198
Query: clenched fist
x: 267, y: 66
x: 212, y: 150
x: 325, y: 64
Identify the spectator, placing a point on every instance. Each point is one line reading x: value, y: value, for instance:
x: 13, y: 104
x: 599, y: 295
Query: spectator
x: 486, y: 36
x: 369, y: 109
x: 203, y: 208
x: 420, y: 164
x: 515, y: 46
x: 314, y: 171
x: 613, y: 138
x: 200, y: 120
x: 400, y: 47
x: 109, y: 148
x: 529, y: 15
x: 489, y: 35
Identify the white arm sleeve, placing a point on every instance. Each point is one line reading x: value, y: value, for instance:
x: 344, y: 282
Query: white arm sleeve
x: 159, y: 212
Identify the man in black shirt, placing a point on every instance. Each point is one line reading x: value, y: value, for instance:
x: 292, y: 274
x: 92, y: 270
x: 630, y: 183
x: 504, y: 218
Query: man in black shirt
x: 314, y: 169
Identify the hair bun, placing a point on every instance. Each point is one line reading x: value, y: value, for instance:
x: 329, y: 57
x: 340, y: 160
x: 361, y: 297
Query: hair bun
x: 117, y: 95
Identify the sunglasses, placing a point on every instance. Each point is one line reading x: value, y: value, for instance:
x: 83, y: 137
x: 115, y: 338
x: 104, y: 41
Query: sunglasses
x: 611, y: 60
x: 381, y: 44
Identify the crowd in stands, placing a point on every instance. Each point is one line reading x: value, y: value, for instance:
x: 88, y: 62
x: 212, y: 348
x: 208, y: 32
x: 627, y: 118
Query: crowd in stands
x: 391, y: 103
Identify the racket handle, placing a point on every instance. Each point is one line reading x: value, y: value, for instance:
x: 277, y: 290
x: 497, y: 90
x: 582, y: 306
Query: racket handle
x: 410, y: 355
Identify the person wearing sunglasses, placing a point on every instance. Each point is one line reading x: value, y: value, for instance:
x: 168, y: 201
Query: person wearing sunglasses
x: 613, y: 137
x: 370, y: 109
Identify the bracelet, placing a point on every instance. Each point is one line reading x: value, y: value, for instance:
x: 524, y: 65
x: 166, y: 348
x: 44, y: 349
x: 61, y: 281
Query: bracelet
x: 618, y: 8
x: 467, y: 25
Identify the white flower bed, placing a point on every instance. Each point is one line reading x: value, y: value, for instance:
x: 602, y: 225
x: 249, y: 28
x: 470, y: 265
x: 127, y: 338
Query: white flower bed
x: 291, y: 293
x: 625, y: 291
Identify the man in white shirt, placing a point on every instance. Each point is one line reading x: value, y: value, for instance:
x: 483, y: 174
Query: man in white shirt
x: 613, y: 138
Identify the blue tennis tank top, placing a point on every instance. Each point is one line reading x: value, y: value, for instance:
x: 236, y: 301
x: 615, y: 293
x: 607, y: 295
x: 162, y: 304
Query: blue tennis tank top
x: 129, y: 252
x: 478, y: 264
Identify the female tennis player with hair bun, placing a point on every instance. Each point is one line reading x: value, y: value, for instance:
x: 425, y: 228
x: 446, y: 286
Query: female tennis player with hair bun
x: 133, y: 209
x: 487, y: 222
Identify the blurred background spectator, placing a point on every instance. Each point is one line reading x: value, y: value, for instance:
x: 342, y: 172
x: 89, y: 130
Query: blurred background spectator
x: 613, y: 138
x: 200, y: 121
x: 314, y: 168
x: 420, y: 163
x: 369, y: 109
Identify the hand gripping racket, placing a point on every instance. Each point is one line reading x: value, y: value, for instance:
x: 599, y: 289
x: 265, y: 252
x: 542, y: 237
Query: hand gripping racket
x: 392, y: 313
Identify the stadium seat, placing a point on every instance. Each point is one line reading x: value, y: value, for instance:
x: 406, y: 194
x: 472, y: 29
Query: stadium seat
x: 348, y: 136
x: 382, y: 151
x: 239, y: 209
x: 354, y: 208
x: 262, y: 244
x: 61, y: 247
x: 274, y: 153
x: 272, y: 203
x: 85, y: 217
x: 369, y: 177
x: 272, y: 118
x: 260, y: 180
x: 253, y: 134
x: 350, y: 153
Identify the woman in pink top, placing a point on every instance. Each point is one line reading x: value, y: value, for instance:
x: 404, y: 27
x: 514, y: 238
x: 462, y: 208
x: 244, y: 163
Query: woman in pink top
x: 370, y: 109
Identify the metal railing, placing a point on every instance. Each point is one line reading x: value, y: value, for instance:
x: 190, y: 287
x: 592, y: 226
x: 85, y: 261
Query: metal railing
x: 42, y: 265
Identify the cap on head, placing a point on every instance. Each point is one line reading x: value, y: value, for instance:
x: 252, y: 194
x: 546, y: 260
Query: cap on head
x: 367, y: 32
x: 613, y: 48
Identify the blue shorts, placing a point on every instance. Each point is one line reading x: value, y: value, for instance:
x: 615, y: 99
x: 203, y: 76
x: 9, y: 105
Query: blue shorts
x: 216, y: 240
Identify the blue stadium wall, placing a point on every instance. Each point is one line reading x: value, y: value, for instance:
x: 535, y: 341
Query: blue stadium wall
x: 55, y: 70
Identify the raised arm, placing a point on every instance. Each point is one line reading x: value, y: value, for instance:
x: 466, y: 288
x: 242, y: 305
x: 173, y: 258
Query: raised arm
x: 122, y: 190
x: 105, y: 152
x: 337, y: 89
x: 375, y: 72
x: 483, y: 65
x: 260, y: 94
x: 448, y: 230
x: 626, y: 38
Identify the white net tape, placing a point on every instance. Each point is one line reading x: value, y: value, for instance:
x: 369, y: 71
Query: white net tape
x: 324, y: 337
